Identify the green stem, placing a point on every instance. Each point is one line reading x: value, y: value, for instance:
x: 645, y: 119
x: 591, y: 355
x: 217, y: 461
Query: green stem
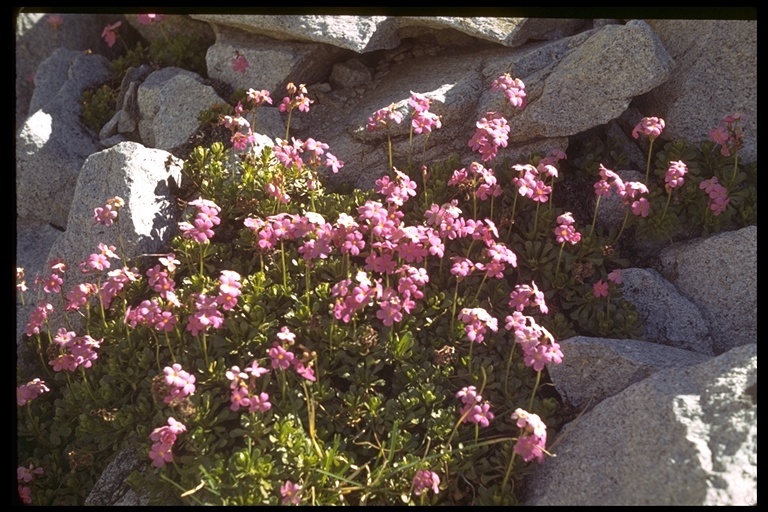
x: 624, y: 224
x: 204, y: 339
x: 509, y: 363
x: 536, y: 219
x: 480, y: 288
x: 559, y: 254
x: 389, y: 145
x: 509, y: 471
x: 453, y: 312
x: 285, y: 275
x: 664, y: 213
x: 288, y: 124
x: 168, y: 341
x: 648, y: 163
x: 535, y: 387
x: 594, y: 217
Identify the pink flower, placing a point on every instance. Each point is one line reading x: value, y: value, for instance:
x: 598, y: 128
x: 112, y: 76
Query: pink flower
x: 239, y: 63
x: 291, y: 493
x: 600, y: 289
x: 109, y: 34
x: 674, y: 176
x: 160, y: 454
x: 259, y: 403
x: 650, y: 126
x: 383, y: 117
x: 615, y: 276
x: 25, y: 494
x: 281, y: 358
x: 718, y: 195
x: 533, y: 436
x: 29, y: 391
x: 146, y: 19
x: 424, y: 480
x: 55, y: 21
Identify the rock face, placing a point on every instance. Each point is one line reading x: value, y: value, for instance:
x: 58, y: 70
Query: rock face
x: 680, y: 437
x: 670, y: 417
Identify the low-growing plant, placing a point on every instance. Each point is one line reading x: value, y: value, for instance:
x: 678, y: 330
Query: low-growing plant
x: 177, y: 50
x: 299, y: 345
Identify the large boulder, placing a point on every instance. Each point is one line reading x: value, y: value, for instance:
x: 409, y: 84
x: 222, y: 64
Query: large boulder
x: 683, y: 436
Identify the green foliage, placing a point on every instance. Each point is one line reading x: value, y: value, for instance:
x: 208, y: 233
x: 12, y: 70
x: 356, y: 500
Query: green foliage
x: 180, y: 50
x: 383, y: 402
x: 98, y: 106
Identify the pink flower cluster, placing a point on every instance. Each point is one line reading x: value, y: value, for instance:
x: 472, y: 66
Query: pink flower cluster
x: 533, y: 436
x: 29, y: 391
x: 98, y: 262
x: 521, y: 296
x: 491, y: 134
x: 718, y: 195
x: 629, y: 191
x: 384, y: 117
x: 229, y: 289
x: 650, y: 126
x: 289, y: 154
x: 529, y: 334
x: 38, y: 317
x: 482, y: 180
x: 351, y: 299
x: 474, y: 410
x: 107, y: 214
x: 565, y: 231
x: 477, y: 322
x: 115, y: 282
x: 282, y: 359
x: 206, y: 315
x: 422, y: 120
x: 207, y: 217
x: 243, y: 388
x: 424, y: 480
x: 242, y: 134
x: 675, y: 174
x: 149, y: 313
x: 398, y: 191
x: 75, y: 351
x: 25, y: 476
x: 529, y: 181
x: 296, y: 99
x: 728, y: 134
x: 181, y: 383
x: 514, y: 89
x: 163, y: 439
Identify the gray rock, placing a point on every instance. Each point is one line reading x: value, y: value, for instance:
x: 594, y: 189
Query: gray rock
x: 505, y: 31
x: 350, y: 74
x: 680, y: 437
x: 572, y: 98
x: 167, y: 116
x: 144, y: 178
x: 171, y: 25
x: 358, y: 33
x: 36, y: 40
x: 111, y: 489
x: 597, y: 368
x: 52, y: 145
x: 714, y: 59
x: 719, y: 275
x: 666, y: 317
x: 272, y: 64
